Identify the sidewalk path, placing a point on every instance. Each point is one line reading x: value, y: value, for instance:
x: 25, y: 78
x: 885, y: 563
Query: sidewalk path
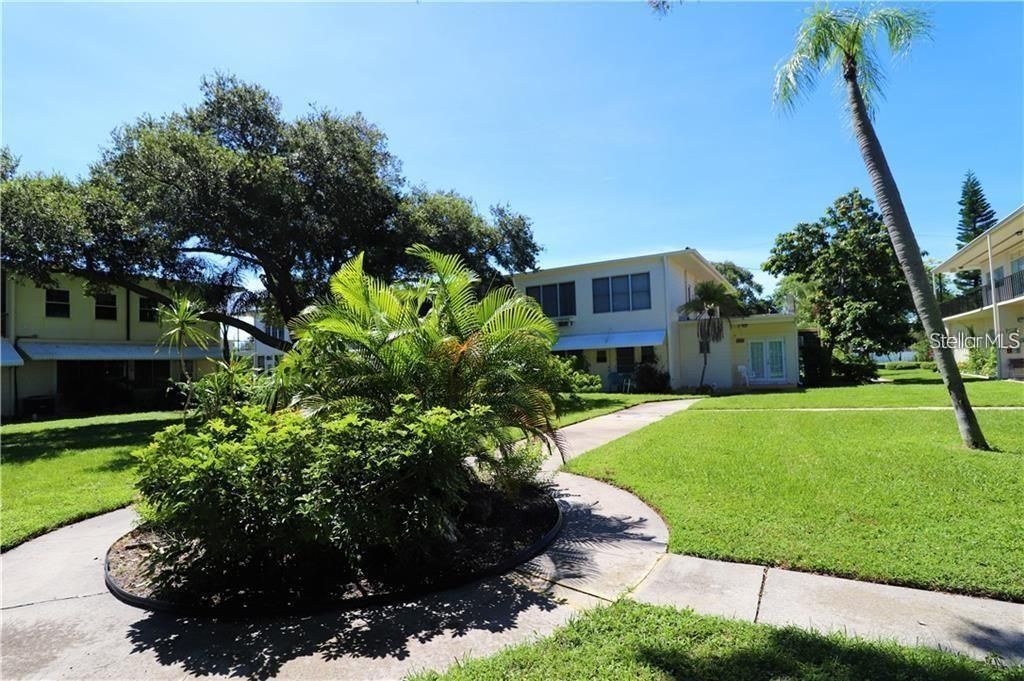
x: 59, y: 621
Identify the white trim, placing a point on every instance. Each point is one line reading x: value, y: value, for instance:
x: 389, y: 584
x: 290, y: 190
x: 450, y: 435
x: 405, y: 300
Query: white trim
x: 764, y: 366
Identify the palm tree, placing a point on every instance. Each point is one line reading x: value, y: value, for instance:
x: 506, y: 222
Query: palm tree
x: 713, y: 303
x: 368, y: 343
x: 183, y: 324
x: 844, y: 39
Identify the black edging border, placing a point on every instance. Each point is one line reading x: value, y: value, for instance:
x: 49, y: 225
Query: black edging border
x: 376, y: 600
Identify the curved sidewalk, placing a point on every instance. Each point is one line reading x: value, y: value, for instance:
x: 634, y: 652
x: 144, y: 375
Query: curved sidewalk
x: 59, y: 621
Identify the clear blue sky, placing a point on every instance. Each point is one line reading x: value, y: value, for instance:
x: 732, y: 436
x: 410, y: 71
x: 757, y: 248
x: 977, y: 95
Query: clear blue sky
x: 617, y: 132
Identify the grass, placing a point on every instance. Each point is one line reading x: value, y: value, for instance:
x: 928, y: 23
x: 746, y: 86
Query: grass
x: 590, y: 405
x: 870, y: 495
x: 57, y: 472
x: 627, y: 640
x: 908, y: 388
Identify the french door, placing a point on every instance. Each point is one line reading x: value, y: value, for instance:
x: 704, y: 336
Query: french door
x: 767, y: 360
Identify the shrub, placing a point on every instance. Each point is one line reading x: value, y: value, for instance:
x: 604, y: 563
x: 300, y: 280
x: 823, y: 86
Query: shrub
x: 981, y: 361
x: 252, y: 495
x: 901, y: 365
x: 563, y: 375
x: 930, y: 366
x: 648, y: 378
x: 849, y: 368
x: 232, y: 384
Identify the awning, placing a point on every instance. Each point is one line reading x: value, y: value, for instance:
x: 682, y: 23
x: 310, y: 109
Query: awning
x: 42, y: 350
x: 9, y: 357
x: 617, y: 339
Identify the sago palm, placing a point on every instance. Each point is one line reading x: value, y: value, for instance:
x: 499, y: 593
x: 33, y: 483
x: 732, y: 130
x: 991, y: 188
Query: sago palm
x: 845, y: 40
x: 369, y: 342
x: 713, y: 304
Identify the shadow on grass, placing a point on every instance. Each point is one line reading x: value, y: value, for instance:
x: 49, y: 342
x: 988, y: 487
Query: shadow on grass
x: 794, y: 654
x: 51, y: 443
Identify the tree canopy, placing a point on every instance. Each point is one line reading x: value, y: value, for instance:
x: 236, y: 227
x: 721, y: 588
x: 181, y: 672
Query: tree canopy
x: 750, y: 294
x: 976, y: 216
x: 845, y: 261
x: 229, y: 189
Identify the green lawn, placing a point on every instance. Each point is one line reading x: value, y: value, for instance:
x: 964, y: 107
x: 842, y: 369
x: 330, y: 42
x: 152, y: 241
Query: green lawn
x: 56, y: 472
x: 628, y: 640
x: 909, y: 388
x: 888, y: 497
x: 589, y: 405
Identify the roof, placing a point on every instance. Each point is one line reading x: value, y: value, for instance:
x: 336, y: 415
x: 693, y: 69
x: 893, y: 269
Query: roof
x: 612, y: 339
x: 9, y: 357
x: 84, y: 350
x: 973, y: 256
x: 618, y: 261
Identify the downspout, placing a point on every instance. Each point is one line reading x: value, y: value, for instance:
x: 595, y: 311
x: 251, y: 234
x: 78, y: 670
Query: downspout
x: 995, y: 306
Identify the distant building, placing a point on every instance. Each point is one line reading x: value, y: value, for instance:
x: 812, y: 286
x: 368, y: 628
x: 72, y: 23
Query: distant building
x: 242, y: 344
x: 998, y: 304
x: 63, y: 351
x: 620, y: 313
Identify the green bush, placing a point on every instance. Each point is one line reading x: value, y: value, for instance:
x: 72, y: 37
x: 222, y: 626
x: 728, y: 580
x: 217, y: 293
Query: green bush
x: 930, y: 366
x: 231, y: 384
x: 252, y: 495
x: 849, y: 368
x: 648, y: 378
x: 981, y: 361
x: 901, y: 365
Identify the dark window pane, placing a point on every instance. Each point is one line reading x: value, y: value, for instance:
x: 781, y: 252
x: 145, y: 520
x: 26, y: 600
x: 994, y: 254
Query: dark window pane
x: 620, y: 293
x: 567, y: 298
x: 641, y: 286
x: 549, y: 300
x: 647, y: 355
x: 106, y: 306
x: 624, y: 361
x: 58, y: 303
x: 533, y: 292
x: 147, y: 310
x: 602, y: 356
x: 602, y: 296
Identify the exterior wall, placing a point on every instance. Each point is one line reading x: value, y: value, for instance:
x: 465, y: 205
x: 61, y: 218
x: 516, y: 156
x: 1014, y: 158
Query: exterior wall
x: 719, y: 372
x: 744, y: 333
x: 6, y: 391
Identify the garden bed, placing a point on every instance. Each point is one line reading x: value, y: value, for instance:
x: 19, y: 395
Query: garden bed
x: 492, y: 541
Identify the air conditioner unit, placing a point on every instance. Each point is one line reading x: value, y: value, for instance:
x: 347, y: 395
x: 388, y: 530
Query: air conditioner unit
x: 563, y: 323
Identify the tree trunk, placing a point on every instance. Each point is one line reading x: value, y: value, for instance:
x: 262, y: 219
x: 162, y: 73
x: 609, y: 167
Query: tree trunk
x: 704, y: 370
x: 894, y: 215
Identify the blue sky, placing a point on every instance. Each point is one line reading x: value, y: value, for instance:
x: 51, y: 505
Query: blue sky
x: 616, y: 131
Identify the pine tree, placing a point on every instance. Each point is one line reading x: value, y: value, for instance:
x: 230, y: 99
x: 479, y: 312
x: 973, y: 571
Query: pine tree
x: 976, y: 216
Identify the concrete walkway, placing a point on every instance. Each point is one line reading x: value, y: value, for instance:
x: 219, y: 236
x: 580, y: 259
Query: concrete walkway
x: 59, y: 621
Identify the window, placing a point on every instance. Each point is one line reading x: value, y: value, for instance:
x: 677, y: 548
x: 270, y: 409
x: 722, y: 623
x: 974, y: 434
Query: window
x: 624, y: 360
x: 557, y: 300
x: 647, y: 355
x: 106, y: 306
x: 58, y: 302
x: 147, y: 310
x: 622, y: 293
x: 153, y: 373
x: 275, y: 332
x: 602, y: 356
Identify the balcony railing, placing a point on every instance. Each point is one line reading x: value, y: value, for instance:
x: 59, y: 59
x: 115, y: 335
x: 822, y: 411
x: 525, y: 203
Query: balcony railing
x: 981, y: 296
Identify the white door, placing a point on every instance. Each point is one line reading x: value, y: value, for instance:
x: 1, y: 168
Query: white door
x: 768, y: 360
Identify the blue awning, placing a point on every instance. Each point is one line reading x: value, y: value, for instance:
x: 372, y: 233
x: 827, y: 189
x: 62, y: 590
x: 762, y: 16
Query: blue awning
x: 61, y: 350
x: 9, y: 357
x: 613, y: 339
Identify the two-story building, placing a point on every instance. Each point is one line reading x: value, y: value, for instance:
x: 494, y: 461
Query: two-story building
x: 262, y: 356
x: 998, y: 304
x: 64, y: 351
x: 619, y: 313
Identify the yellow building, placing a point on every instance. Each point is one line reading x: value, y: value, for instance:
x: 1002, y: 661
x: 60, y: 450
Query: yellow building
x: 64, y: 351
x: 996, y: 305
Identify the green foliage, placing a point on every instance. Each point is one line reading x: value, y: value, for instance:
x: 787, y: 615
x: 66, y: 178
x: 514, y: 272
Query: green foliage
x: 844, y: 39
x: 901, y: 366
x: 254, y: 493
x: 713, y: 304
x: 929, y: 366
x: 793, y: 289
x: 648, y: 378
x: 569, y: 375
x: 369, y: 342
x: 749, y: 293
x: 847, y: 368
x: 976, y: 216
x: 233, y: 384
x: 857, y: 291
x: 981, y: 361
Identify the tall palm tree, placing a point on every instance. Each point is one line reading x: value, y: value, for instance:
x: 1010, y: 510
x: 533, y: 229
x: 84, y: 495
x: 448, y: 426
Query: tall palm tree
x: 713, y: 304
x: 368, y: 343
x: 844, y: 39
